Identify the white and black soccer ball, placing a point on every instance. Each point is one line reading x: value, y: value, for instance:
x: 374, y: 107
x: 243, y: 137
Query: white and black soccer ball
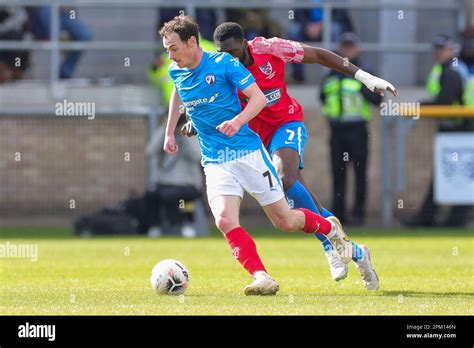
x: 169, y: 277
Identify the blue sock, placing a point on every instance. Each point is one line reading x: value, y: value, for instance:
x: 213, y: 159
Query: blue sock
x: 326, y: 213
x: 302, y: 199
x: 326, y: 243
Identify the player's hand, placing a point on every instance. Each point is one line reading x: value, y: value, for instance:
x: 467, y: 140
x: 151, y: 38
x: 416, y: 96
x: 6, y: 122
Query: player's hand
x: 374, y: 83
x: 230, y: 128
x: 188, y: 129
x: 379, y: 86
x: 170, y: 146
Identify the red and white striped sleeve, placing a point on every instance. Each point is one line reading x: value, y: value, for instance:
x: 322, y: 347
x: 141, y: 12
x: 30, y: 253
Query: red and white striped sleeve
x: 286, y: 50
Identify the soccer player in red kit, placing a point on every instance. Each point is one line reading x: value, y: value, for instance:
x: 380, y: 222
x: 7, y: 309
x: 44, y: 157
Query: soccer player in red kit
x: 281, y: 128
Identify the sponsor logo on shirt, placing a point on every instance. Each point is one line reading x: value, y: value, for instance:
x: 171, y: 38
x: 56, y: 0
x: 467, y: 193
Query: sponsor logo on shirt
x: 192, y: 103
x: 272, y: 96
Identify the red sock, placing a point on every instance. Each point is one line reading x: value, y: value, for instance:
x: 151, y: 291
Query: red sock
x: 315, y: 223
x: 244, y: 250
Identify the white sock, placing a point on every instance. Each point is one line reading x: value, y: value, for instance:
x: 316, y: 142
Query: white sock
x: 260, y: 274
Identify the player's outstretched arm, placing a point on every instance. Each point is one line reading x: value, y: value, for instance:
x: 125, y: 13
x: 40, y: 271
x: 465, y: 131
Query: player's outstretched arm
x: 256, y: 103
x: 169, y: 145
x: 297, y: 52
x: 317, y: 55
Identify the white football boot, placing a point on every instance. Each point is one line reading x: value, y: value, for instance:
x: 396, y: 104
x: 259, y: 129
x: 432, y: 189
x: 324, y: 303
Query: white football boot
x: 338, y: 268
x: 339, y: 240
x: 367, y: 272
x: 263, y: 284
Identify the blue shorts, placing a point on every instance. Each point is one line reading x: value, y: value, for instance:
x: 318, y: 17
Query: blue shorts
x: 292, y: 135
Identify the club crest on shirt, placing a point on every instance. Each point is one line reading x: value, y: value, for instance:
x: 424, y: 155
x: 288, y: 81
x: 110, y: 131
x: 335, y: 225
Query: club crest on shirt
x: 210, y: 79
x: 267, y: 69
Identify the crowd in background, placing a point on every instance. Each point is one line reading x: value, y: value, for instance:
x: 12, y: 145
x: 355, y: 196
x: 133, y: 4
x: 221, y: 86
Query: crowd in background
x: 18, y: 23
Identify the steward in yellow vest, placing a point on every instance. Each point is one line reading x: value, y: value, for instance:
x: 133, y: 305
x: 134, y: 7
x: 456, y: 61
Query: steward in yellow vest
x: 447, y: 82
x: 346, y: 104
x: 467, y: 56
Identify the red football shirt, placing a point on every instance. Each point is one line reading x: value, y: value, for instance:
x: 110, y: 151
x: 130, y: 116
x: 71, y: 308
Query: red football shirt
x: 270, y: 56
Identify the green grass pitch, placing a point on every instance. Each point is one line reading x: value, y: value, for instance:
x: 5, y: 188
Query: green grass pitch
x: 421, y: 272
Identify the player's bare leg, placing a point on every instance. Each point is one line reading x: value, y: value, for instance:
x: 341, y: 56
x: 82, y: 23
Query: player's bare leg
x: 225, y: 209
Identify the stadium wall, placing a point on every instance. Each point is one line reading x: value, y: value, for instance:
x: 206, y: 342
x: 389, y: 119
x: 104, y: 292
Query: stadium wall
x: 64, y: 159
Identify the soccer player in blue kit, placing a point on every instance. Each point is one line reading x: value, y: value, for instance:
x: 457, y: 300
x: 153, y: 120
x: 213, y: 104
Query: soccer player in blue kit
x: 233, y: 156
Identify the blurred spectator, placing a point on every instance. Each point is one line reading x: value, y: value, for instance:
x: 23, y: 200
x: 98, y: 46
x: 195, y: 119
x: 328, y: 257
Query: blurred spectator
x: 467, y: 56
x: 446, y: 83
x: 69, y: 23
x: 467, y: 49
x: 180, y: 183
x: 13, y: 21
x: 308, y: 26
x: 206, y: 19
x: 254, y: 22
x: 346, y: 104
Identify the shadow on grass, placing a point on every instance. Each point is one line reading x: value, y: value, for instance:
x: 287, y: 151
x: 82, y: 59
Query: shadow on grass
x: 391, y: 293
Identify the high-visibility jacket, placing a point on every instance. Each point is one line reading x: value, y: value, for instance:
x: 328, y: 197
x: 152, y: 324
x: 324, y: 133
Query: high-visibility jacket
x: 433, y: 87
x: 343, y: 99
x: 469, y: 91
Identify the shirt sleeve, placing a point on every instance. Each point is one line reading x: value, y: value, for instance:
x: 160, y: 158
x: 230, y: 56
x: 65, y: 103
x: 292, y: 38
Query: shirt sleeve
x: 236, y: 73
x: 287, y: 50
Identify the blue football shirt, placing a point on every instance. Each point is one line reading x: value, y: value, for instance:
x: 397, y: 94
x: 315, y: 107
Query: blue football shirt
x: 209, y: 93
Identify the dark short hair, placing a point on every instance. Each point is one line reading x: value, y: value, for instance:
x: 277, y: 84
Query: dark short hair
x: 184, y: 26
x: 227, y: 30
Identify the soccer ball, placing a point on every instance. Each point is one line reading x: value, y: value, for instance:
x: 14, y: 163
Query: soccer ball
x: 169, y: 277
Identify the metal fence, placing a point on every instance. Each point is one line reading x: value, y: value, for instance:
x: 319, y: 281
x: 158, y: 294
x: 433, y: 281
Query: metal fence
x: 54, y: 45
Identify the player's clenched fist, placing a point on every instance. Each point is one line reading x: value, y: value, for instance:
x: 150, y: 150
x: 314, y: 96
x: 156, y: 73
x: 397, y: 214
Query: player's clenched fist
x: 170, y: 146
x: 229, y: 128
